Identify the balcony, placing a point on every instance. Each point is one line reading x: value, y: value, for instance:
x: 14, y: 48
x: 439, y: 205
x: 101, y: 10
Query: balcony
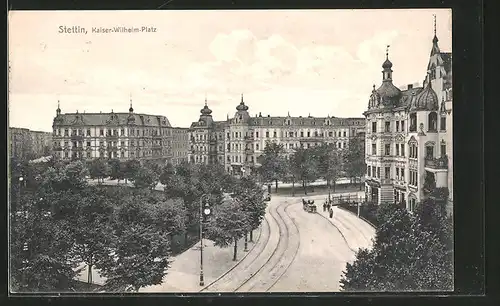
x: 76, y: 138
x: 249, y: 138
x: 386, y: 181
x: 110, y: 136
x: 437, y: 163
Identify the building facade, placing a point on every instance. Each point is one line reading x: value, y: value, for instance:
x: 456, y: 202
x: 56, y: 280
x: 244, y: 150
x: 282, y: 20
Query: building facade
x: 180, y: 145
x: 28, y: 144
x: 123, y: 136
x: 238, y: 142
x: 409, y: 135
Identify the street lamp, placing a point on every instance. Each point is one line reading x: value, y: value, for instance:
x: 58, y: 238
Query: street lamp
x: 204, y: 211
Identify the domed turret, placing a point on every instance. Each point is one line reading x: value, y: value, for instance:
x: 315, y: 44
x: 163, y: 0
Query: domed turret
x: 242, y: 106
x: 427, y: 99
x: 387, y: 64
x: 205, y: 111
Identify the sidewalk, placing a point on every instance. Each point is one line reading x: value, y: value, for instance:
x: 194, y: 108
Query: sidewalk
x: 184, y: 273
x: 356, y: 232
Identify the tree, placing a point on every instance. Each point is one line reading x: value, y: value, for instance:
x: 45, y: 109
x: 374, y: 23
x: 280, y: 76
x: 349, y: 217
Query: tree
x: 145, y: 178
x: 251, y: 195
x: 405, y: 257
x: 141, y: 258
x: 117, y: 170
x: 131, y: 168
x: 290, y: 174
x: 305, y: 166
x: 167, y: 173
x: 273, y: 163
x: 141, y: 249
x: 329, y: 161
x: 90, y: 222
x: 99, y: 169
x: 40, y: 259
x: 229, y: 223
x: 355, y: 165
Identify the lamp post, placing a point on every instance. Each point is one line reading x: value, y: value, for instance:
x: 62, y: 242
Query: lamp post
x: 204, y: 211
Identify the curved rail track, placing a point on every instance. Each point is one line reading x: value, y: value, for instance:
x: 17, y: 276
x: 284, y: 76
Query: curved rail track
x: 269, y: 264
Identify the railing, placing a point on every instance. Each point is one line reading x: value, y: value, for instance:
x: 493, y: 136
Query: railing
x: 386, y: 181
x: 76, y: 137
x: 249, y: 138
x: 437, y: 163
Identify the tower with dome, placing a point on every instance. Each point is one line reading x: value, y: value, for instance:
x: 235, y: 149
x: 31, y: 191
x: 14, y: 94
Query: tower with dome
x: 409, y: 135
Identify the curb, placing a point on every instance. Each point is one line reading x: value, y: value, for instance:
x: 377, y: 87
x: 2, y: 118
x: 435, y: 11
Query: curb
x: 233, y: 267
x: 342, y: 234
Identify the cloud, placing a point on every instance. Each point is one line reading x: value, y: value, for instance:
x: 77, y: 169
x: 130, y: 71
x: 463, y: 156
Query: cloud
x: 371, y: 50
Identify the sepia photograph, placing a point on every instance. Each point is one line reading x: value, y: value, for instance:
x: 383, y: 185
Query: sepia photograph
x: 230, y: 151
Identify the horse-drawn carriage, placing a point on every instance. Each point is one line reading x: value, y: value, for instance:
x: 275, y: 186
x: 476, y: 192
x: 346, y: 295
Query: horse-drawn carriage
x: 309, y: 206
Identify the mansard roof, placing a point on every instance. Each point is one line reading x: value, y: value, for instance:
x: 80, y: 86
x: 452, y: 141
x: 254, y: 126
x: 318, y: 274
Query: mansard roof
x: 114, y: 119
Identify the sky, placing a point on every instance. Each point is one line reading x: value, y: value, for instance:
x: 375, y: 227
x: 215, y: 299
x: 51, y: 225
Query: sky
x: 317, y: 62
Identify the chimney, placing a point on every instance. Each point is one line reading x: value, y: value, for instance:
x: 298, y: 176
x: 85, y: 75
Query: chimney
x: 410, y: 86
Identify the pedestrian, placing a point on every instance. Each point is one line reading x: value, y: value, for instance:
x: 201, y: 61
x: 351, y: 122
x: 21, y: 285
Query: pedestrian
x: 324, y: 206
x: 331, y: 213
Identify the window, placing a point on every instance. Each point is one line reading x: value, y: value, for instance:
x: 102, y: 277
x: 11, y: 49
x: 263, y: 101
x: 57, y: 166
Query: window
x: 308, y: 134
x: 89, y: 154
x: 101, y: 132
x: 387, y: 149
x: 256, y: 146
x: 301, y: 134
x: 88, y: 132
x: 387, y: 172
x: 429, y: 152
x: 443, y: 149
x: 443, y: 124
x: 413, y: 122
x: 432, y: 121
x: 123, y: 143
x: 66, y: 132
x: 122, y: 132
x: 402, y: 149
x: 374, y: 127
x: 397, y: 126
x: 369, y: 170
x: 402, y: 126
x: 374, y: 149
x: 267, y: 134
x: 378, y: 172
x: 330, y: 134
x: 403, y: 174
x: 340, y: 145
x: 344, y: 134
x: 397, y: 173
x: 274, y: 134
x: 413, y: 151
x: 257, y: 134
x: 88, y: 143
x: 387, y: 126
x: 290, y: 134
x: 397, y: 149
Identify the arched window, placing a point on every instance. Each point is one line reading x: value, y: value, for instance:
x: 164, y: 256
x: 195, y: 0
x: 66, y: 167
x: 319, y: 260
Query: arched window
x: 429, y: 150
x: 432, y: 122
x: 413, y: 122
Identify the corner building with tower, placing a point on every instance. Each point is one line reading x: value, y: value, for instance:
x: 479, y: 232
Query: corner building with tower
x: 238, y: 142
x: 409, y: 140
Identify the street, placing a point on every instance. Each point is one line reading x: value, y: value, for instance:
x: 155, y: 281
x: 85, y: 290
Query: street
x: 298, y: 251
